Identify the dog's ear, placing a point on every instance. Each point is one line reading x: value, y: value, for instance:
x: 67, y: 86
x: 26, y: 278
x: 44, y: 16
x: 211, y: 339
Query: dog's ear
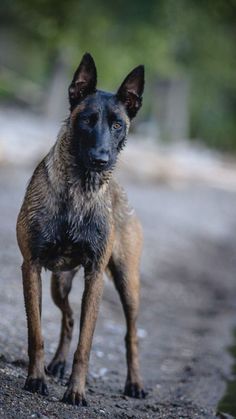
x: 84, y: 81
x: 131, y: 91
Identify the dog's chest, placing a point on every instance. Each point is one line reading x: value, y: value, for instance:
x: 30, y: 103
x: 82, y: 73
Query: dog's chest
x: 73, y: 237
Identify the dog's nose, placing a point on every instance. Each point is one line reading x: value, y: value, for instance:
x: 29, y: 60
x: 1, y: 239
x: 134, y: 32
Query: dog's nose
x: 99, y: 158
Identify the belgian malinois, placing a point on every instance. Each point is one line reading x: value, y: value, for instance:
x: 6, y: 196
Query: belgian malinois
x: 75, y: 214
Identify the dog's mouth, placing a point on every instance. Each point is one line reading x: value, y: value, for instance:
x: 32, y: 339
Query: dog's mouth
x: 99, y: 169
x: 98, y: 166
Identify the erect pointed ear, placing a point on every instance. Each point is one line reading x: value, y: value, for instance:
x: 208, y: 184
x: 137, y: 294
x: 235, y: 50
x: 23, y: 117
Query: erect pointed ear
x: 131, y: 91
x: 84, y: 81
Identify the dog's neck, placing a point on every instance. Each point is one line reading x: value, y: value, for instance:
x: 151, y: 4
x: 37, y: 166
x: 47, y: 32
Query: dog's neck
x: 73, y: 174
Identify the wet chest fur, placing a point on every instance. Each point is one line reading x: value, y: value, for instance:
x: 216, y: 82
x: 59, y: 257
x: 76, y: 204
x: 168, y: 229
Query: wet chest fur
x: 70, y: 236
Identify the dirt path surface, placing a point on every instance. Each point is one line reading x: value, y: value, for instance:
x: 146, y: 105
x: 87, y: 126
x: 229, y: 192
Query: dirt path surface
x: 186, y: 318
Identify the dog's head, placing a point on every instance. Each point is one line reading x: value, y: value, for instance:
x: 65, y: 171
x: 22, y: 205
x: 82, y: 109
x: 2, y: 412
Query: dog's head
x: 100, y: 120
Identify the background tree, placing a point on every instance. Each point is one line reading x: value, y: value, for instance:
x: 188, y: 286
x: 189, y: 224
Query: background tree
x: 172, y: 38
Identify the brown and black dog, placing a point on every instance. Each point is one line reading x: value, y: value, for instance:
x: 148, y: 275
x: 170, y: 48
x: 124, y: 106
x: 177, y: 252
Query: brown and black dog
x: 75, y: 214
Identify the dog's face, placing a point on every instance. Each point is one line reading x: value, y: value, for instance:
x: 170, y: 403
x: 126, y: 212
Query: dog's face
x: 101, y: 120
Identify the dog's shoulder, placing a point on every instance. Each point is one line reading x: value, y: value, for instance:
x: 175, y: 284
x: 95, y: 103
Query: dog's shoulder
x: 122, y: 210
x: 38, y: 182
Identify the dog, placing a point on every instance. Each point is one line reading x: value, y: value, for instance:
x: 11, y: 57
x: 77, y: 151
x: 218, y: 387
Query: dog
x: 75, y: 214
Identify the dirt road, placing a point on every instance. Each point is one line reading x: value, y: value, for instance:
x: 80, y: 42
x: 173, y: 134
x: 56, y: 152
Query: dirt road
x: 186, y: 319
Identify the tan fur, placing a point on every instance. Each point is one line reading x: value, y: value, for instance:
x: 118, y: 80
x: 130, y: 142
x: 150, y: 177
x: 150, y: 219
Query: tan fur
x: 120, y: 258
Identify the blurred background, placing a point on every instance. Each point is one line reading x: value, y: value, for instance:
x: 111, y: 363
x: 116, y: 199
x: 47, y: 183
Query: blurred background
x: 180, y: 173
x: 187, y: 46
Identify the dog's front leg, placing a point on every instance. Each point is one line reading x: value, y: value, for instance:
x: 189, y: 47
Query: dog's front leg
x: 35, y: 381
x: 75, y: 393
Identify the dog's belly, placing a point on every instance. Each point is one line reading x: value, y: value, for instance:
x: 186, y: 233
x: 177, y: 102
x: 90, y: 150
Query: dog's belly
x: 64, y: 257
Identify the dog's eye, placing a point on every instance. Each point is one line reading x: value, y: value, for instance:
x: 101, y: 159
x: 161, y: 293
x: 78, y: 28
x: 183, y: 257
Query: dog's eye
x: 86, y: 120
x: 116, y: 125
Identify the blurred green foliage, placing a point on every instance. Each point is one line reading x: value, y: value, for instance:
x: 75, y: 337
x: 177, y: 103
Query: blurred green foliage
x: 173, y: 38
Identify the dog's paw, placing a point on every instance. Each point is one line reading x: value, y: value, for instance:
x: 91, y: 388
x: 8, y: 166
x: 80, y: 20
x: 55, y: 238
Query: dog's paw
x: 57, y: 368
x: 74, y: 397
x: 134, y: 390
x: 36, y: 385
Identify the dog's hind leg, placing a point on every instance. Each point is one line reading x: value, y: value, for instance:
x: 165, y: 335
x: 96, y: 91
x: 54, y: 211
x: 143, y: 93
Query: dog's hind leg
x: 124, y: 269
x: 60, y: 288
x: 35, y: 381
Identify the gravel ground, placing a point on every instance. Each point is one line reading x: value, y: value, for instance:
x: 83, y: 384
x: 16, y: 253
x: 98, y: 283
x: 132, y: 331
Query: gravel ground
x: 186, y: 318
